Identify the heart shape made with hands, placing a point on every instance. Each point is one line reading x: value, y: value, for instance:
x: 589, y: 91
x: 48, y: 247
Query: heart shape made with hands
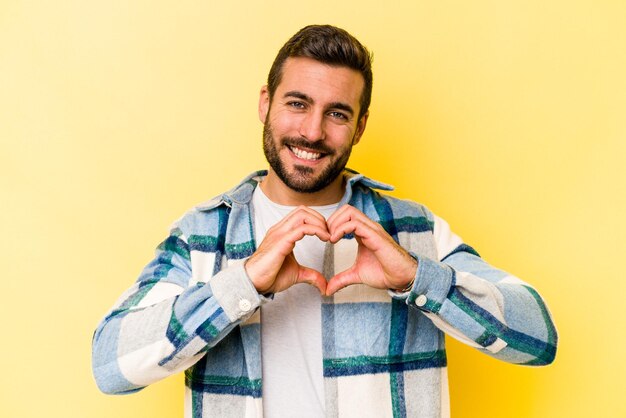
x: 380, y: 262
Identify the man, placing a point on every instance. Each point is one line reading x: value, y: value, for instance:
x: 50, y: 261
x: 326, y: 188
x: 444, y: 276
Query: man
x: 224, y: 301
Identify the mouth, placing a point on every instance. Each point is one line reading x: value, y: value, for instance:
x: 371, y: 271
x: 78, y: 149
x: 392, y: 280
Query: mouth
x: 305, y: 155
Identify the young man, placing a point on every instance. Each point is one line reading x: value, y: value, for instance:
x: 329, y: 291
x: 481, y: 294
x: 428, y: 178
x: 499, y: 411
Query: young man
x: 223, y: 298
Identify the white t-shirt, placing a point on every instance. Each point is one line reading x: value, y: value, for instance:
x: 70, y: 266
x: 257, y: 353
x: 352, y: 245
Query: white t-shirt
x: 291, y: 331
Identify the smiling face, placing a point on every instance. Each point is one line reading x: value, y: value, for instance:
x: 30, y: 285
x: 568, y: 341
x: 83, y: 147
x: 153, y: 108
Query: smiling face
x: 310, y: 127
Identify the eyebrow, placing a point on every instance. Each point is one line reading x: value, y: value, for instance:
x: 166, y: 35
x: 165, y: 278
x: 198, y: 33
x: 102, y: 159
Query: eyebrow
x: 334, y: 105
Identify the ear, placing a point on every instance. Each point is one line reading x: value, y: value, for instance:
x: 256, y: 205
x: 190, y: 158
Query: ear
x: 264, y: 103
x: 360, y: 128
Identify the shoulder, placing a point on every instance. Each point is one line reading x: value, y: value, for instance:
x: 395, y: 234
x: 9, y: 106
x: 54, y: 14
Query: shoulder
x: 399, y: 207
x: 207, y: 217
x: 201, y: 222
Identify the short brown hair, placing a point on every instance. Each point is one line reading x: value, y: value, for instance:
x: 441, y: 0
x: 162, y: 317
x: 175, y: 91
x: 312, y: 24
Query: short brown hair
x: 330, y: 45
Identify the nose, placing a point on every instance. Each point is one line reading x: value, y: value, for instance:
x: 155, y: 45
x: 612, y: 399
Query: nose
x: 312, y: 126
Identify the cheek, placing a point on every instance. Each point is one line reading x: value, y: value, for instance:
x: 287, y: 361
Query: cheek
x: 341, y: 136
x: 284, y: 122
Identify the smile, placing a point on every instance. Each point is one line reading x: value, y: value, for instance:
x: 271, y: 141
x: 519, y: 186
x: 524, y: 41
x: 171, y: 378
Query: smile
x: 305, y: 155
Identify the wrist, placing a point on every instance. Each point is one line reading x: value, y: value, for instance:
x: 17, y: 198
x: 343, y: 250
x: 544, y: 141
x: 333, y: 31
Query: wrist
x: 406, y: 288
x: 409, y: 285
x: 249, y: 268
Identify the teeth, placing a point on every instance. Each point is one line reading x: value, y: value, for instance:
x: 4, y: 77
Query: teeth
x: 305, y: 155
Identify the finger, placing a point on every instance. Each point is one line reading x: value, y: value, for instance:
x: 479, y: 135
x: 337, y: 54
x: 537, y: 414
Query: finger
x: 340, y: 214
x: 282, y: 243
x: 368, y: 233
x: 341, y: 280
x: 347, y: 214
x: 297, y: 233
x: 284, y: 238
x: 312, y: 277
x: 306, y: 212
x: 271, y: 253
x: 302, y: 215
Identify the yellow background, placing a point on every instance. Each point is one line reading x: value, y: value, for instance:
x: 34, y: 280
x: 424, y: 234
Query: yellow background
x: 507, y: 118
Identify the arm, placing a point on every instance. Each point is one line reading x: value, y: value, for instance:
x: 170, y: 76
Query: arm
x: 173, y: 315
x: 465, y: 297
x: 480, y: 305
x: 165, y: 322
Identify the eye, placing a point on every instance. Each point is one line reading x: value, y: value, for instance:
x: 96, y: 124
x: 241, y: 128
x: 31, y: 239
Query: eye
x: 296, y: 104
x: 338, y: 115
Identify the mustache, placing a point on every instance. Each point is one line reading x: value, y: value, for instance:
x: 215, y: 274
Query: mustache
x: 300, y: 142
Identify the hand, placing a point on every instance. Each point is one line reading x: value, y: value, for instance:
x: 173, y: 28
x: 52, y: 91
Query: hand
x: 273, y: 267
x: 380, y: 261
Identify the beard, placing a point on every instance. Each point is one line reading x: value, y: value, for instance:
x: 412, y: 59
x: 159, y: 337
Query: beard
x: 301, y: 178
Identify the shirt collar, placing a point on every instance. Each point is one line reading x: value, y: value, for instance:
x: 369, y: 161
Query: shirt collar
x: 242, y: 193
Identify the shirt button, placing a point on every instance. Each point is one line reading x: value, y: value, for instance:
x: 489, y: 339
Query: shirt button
x: 245, y: 305
x: 421, y: 300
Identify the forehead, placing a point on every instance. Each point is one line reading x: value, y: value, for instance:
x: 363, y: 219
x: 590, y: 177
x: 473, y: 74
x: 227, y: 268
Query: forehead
x: 322, y: 82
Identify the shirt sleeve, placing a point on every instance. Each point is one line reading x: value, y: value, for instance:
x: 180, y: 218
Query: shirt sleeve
x: 480, y: 305
x: 166, y: 321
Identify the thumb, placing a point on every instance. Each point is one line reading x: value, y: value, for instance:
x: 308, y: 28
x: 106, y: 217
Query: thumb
x: 341, y: 280
x: 312, y: 277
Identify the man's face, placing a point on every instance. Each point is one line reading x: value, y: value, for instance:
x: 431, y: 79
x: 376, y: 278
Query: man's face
x: 311, y: 123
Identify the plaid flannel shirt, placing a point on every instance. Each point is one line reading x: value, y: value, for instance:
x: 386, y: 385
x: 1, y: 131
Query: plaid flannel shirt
x: 194, y: 309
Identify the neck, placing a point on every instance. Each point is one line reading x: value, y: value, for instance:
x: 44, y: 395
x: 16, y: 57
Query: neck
x: 279, y: 192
